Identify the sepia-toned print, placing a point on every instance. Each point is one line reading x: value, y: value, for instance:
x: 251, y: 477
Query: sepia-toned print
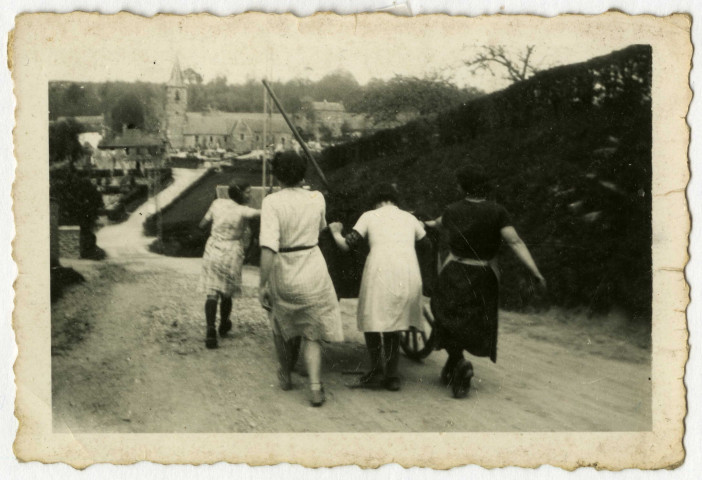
x: 432, y: 241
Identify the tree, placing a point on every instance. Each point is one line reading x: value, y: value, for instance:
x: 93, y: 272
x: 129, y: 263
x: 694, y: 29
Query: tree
x: 517, y: 69
x: 63, y: 141
x: 410, y: 96
x: 129, y: 112
x: 192, y: 77
x: 79, y: 204
x: 338, y: 86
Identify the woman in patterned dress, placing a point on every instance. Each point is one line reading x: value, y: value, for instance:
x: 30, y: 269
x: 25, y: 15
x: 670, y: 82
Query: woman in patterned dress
x: 390, y: 299
x: 224, y: 256
x: 295, y: 284
x: 465, y: 296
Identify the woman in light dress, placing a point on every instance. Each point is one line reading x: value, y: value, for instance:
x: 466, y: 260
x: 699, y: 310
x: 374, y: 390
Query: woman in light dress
x: 224, y: 256
x: 390, y: 299
x: 295, y: 284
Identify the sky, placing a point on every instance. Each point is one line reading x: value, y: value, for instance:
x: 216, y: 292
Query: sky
x: 241, y: 54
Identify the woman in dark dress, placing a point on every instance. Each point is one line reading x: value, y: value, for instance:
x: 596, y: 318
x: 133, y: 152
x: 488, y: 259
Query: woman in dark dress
x: 465, y: 297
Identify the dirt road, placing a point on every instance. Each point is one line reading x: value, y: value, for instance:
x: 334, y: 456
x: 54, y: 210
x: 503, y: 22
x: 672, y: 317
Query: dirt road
x: 129, y: 356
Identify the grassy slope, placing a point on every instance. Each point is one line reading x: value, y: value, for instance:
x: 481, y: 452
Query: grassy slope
x: 541, y: 173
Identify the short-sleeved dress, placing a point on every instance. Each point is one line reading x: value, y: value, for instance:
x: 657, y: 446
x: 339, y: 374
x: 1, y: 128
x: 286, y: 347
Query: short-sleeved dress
x: 224, y: 251
x: 304, y: 302
x: 390, y: 298
x: 465, y: 297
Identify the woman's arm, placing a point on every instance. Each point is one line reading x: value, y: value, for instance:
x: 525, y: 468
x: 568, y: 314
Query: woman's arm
x: 265, y: 271
x: 436, y: 223
x: 204, y: 222
x: 253, y: 213
x: 335, y: 229
x: 511, y: 237
x: 207, y: 219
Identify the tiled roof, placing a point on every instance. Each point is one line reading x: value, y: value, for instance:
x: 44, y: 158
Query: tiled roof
x: 132, y: 138
x: 84, y: 119
x: 332, y: 106
x: 222, y: 123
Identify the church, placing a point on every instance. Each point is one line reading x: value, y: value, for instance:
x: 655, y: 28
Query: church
x: 233, y: 131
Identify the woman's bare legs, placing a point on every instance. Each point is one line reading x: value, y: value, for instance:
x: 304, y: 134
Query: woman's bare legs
x: 313, y: 360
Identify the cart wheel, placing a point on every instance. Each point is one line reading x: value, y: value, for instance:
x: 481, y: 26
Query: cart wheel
x: 418, y: 344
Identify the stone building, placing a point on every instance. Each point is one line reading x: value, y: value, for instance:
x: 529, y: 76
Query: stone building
x: 316, y: 117
x: 234, y: 131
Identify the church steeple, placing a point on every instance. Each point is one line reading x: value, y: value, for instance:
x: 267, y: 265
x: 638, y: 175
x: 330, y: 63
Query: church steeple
x: 176, y: 75
x: 176, y: 107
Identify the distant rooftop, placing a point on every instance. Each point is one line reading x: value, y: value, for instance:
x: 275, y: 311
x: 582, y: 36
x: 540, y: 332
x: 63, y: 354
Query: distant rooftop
x: 329, y: 106
x: 132, y: 138
x: 222, y: 123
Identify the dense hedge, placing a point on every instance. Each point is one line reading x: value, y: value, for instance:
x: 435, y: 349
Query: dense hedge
x: 569, y: 152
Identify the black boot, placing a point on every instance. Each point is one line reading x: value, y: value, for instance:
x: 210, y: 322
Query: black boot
x: 211, y: 317
x: 454, y: 357
x: 372, y: 378
x: 463, y: 374
x: 392, y: 355
x: 293, y: 350
x: 225, y: 310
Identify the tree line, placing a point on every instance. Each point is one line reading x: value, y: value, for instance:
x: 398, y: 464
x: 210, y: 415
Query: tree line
x: 141, y: 104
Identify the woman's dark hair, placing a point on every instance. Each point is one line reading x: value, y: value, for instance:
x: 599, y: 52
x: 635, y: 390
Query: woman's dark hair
x: 236, y: 191
x: 289, y: 167
x: 473, y: 180
x: 383, y: 192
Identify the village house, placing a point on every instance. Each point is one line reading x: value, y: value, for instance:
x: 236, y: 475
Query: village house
x: 234, y: 131
x: 132, y: 149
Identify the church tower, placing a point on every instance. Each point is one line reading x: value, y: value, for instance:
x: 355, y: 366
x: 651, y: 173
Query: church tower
x: 176, y: 107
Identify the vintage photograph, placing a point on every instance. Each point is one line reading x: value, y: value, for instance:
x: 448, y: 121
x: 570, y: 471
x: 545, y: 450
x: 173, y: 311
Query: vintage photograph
x: 393, y: 226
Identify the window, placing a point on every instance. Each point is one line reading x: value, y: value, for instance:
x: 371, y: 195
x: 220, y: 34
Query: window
x: 177, y: 96
x: 258, y: 137
x: 241, y: 136
x: 282, y: 140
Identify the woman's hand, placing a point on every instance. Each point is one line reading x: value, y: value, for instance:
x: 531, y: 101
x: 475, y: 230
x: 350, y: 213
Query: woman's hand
x: 264, y: 298
x: 336, y: 227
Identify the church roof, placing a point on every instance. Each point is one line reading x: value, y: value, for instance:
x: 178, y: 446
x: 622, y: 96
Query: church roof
x: 222, y: 123
x: 176, y: 76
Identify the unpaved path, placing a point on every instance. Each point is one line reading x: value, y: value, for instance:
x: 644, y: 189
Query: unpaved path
x: 127, y: 239
x: 142, y: 367
x: 129, y: 356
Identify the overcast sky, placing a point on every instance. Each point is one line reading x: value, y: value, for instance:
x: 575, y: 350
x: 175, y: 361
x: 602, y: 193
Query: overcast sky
x: 237, y: 54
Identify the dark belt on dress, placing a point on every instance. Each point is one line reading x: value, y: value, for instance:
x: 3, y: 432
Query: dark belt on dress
x: 295, y: 249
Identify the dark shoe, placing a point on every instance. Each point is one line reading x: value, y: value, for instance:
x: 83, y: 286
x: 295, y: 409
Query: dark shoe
x: 372, y: 379
x: 284, y: 380
x: 447, y: 374
x: 392, y: 383
x: 211, y: 339
x: 460, y: 383
x: 224, y: 327
x: 317, y: 397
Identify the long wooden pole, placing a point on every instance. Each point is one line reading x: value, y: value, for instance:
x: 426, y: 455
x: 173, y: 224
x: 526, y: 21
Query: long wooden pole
x: 297, y: 135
